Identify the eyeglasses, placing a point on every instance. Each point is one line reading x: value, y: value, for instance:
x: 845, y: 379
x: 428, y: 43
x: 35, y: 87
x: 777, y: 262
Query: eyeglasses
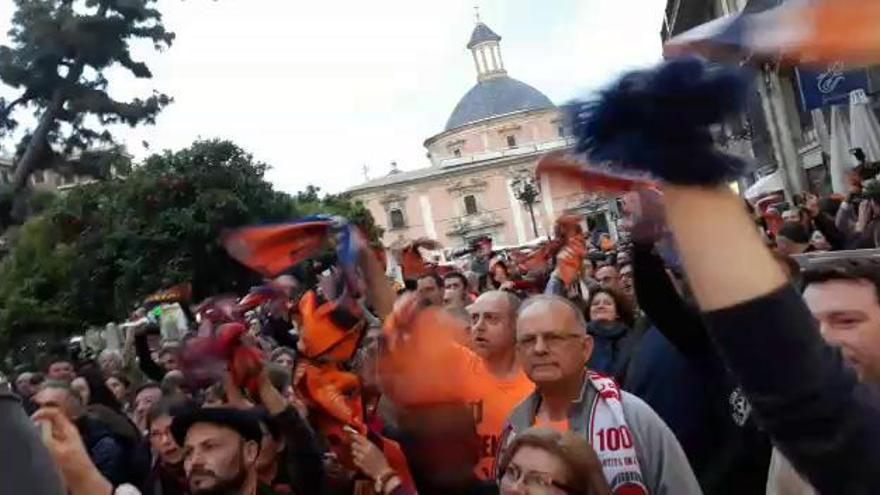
x: 535, y: 483
x: 552, y: 340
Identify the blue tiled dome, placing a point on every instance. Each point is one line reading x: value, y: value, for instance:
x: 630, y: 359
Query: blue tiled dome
x: 496, y: 96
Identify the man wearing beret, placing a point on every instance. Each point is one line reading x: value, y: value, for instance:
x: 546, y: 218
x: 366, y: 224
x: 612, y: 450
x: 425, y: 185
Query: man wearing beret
x: 221, y: 446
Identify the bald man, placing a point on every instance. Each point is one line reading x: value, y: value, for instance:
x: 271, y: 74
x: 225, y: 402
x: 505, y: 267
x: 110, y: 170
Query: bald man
x: 493, y: 339
x: 638, y: 452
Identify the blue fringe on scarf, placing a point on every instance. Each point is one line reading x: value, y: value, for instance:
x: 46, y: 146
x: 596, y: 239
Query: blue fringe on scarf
x: 657, y: 122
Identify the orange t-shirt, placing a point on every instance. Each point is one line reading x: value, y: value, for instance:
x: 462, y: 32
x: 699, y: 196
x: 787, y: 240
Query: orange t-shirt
x: 491, y: 407
x: 560, y: 426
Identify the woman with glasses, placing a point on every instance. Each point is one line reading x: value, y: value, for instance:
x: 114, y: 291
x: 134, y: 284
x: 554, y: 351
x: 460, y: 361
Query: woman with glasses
x: 543, y: 461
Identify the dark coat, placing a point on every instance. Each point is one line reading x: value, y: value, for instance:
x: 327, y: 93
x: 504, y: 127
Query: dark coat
x: 613, y: 347
x: 106, y: 449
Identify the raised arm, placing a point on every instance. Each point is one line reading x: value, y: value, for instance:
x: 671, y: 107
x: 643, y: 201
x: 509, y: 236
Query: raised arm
x: 813, y: 408
x: 152, y: 370
x: 658, y: 297
x: 658, y: 122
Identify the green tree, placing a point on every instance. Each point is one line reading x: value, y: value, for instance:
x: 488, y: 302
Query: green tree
x: 59, y: 54
x: 97, y: 251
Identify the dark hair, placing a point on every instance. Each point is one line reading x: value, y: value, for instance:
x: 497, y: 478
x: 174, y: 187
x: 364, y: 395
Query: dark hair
x: 585, y: 475
x: 37, y: 378
x: 122, y: 379
x: 457, y: 275
x: 795, y: 232
x: 98, y: 391
x: 625, y: 311
x: 168, y: 406
x: 272, y: 424
x: 829, y: 206
x: 58, y: 359
x: 852, y: 269
x: 145, y: 386
x: 437, y: 279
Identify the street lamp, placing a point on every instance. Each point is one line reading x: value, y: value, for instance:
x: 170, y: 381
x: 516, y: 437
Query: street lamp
x: 526, y: 192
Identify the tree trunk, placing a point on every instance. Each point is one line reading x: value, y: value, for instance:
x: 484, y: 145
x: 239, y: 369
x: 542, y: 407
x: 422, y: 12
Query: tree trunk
x: 28, y: 161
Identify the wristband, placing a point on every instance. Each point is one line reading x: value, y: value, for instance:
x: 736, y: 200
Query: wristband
x: 382, y: 479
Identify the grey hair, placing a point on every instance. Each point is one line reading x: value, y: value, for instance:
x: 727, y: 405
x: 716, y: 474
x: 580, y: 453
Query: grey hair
x: 60, y: 384
x: 113, y: 354
x: 552, y: 298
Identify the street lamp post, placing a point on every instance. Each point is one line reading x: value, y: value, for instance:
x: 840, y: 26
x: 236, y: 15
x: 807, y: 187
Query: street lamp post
x: 526, y: 192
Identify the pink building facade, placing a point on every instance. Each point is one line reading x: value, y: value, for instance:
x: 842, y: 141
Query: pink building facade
x: 490, y: 146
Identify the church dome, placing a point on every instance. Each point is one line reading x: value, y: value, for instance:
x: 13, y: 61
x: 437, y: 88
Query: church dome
x: 496, y: 96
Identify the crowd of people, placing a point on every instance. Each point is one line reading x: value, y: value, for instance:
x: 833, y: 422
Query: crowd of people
x: 696, y: 356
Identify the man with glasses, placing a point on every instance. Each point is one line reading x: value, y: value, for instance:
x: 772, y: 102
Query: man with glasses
x: 638, y: 452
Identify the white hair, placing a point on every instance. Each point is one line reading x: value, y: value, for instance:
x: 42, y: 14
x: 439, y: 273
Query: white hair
x: 552, y: 298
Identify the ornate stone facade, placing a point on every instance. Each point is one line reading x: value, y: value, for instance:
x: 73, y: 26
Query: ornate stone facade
x: 494, y: 137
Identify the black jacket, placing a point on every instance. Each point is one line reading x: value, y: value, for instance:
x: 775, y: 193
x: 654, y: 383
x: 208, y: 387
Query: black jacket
x: 681, y: 376
x: 815, y: 410
x: 108, y: 451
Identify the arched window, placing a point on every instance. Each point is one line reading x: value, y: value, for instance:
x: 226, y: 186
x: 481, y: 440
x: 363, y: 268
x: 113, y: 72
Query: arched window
x: 396, y: 219
x: 470, y: 205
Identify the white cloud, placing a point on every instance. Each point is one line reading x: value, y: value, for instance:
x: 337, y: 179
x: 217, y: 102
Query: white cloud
x: 318, y: 89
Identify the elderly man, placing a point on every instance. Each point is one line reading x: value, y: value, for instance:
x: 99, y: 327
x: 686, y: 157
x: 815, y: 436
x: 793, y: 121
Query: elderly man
x: 493, y: 339
x: 106, y: 450
x: 639, y: 453
x: 220, y: 446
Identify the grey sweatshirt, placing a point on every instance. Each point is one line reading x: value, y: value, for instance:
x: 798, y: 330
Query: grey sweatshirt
x: 664, y: 466
x: 25, y: 464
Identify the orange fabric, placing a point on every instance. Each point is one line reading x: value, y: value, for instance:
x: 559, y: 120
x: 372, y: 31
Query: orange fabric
x: 840, y: 31
x: 321, y: 337
x: 570, y: 259
x: 424, y: 365
x: 569, y: 169
x: 271, y: 249
x: 333, y: 397
x: 176, y: 293
x: 411, y: 261
x: 561, y: 425
x: 491, y: 407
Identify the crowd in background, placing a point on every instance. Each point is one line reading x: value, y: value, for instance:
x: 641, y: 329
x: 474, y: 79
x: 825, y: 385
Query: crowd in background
x: 601, y: 379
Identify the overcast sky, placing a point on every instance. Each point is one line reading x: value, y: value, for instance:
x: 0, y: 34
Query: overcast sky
x: 320, y: 89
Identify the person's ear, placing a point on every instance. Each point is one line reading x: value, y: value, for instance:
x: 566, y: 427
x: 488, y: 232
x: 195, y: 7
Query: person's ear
x: 587, y: 344
x: 251, y: 452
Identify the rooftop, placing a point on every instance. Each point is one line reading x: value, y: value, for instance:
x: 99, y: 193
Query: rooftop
x: 493, y: 97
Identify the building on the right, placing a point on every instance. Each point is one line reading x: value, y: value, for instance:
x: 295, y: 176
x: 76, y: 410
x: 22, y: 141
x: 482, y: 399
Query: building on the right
x: 785, y: 127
